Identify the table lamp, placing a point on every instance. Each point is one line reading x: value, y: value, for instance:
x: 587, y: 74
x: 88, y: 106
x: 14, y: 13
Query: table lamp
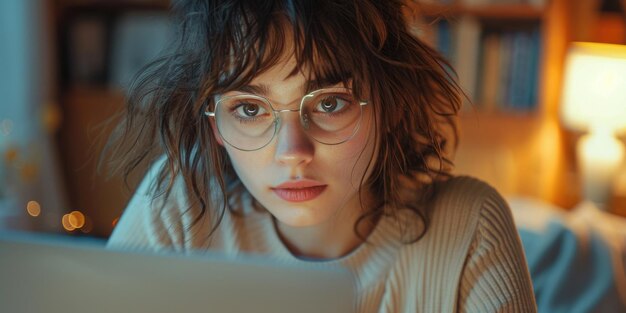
x: 594, y: 101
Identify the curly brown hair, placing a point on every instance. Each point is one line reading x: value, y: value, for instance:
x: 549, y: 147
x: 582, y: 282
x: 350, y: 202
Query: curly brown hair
x: 222, y: 45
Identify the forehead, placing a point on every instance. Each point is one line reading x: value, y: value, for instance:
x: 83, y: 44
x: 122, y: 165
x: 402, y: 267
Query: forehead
x: 284, y: 58
x: 285, y: 77
x: 284, y: 70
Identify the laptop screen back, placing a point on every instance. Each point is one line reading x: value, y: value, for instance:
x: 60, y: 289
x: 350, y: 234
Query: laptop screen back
x: 42, y: 274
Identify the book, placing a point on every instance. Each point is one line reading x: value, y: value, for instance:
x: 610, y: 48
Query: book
x: 490, y: 72
x: 505, y: 70
x: 468, y: 43
x: 445, y: 40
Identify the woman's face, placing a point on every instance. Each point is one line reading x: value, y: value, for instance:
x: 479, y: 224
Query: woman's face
x: 303, y: 182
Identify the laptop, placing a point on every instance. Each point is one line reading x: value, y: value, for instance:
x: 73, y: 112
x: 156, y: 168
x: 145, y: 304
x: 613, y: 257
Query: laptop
x: 53, y: 274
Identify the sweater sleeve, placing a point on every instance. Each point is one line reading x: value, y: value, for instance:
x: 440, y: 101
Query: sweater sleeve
x: 495, y: 276
x: 148, y: 223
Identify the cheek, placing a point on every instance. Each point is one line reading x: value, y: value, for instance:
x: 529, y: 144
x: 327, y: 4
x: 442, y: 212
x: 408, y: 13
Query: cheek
x: 355, y: 155
x: 251, y: 166
x: 242, y: 163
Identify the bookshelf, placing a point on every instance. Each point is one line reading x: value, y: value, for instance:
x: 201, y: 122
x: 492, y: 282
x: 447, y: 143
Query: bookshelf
x: 508, y: 55
x: 495, y: 49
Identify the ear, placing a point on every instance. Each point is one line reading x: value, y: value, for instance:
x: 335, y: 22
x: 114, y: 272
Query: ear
x: 216, y: 132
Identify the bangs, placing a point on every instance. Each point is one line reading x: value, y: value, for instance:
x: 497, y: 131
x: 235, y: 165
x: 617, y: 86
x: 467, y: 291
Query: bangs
x: 254, y: 36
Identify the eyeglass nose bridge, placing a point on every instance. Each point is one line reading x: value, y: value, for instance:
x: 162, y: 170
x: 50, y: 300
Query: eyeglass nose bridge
x: 304, y: 118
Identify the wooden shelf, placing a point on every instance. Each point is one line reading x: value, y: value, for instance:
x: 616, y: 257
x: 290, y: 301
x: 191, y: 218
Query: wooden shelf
x: 475, y: 110
x: 479, y: 128
x: 508, y: 12
x: 492, y: 11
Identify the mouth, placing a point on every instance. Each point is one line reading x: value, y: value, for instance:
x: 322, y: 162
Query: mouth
x: 299, y: 191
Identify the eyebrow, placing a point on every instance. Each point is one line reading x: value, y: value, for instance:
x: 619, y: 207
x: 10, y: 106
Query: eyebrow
x: 264, y: 90
x: 261, y: 89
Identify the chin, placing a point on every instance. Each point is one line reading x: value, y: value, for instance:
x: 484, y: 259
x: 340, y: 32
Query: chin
x: 297, y: 217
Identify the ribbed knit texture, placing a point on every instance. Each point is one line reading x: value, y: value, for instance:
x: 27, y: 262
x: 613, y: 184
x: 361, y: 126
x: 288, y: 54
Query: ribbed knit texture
x: 470, y: 260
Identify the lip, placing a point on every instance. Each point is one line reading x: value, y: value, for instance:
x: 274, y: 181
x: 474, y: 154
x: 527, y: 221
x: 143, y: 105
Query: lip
x: 299, y: 184
x: 299, y: 190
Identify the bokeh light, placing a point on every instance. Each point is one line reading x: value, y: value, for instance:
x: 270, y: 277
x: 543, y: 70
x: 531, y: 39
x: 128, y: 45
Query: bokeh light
x: 66, y: 223
x: 10, y: 154
x: 33, y: 208
x: 51, y: 118
x: 76, y: 219
x: 28, y: 172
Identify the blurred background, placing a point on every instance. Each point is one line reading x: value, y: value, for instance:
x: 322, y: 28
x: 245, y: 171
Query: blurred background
x: 65, y: 66
x: 545, y: 122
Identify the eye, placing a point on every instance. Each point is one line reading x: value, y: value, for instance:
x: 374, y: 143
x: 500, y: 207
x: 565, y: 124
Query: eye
x: 249, y: 109
x: 330, y: 104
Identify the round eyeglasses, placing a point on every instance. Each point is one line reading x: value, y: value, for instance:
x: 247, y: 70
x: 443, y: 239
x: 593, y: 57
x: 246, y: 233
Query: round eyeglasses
x: 249, y: 122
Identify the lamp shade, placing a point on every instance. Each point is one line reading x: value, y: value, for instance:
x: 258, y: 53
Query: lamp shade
x: 594, y: 91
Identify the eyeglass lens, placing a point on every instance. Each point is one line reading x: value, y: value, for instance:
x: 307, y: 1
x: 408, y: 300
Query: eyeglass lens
x: 249, y: 122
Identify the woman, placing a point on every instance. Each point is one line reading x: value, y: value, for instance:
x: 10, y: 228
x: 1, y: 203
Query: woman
x: 317, y: 131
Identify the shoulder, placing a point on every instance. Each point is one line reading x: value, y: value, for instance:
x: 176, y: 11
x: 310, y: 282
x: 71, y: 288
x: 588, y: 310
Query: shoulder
x: 471, y: 245
x: 460, y: 205
x: 494, y: 265
x: 465, y: 188
x: 454, y: 215
x: 159, y: 198
x: 158, y: 217
x: 462, y: 211
x: 467, y: 197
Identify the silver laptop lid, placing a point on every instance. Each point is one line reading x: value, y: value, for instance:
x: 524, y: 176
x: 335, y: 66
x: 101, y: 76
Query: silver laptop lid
x: 53, y: 275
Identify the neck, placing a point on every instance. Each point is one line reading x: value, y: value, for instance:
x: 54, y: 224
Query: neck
x: 330, y: 240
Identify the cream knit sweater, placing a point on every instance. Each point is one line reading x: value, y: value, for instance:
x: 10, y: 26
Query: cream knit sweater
x: 470, y: 260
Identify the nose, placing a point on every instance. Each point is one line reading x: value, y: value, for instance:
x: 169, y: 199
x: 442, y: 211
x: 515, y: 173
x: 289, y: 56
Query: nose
x: 293, y: 145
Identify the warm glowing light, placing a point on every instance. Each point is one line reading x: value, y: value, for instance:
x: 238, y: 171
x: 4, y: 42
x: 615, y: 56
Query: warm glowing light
x: 33, y: 208
x: 76, y: 219
x: 66, y: 223
x: 115, y: 221
x: 601, y: 155
x: 594, y: 101
x: 594, y: 88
